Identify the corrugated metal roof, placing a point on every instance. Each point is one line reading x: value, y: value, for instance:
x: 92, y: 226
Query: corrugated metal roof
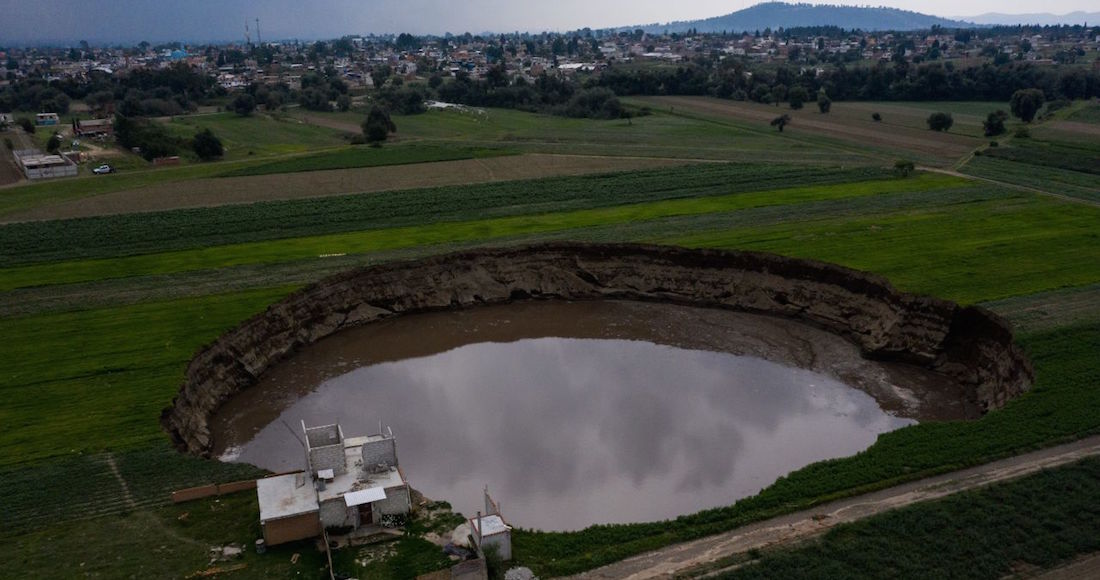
x: 371, y: 494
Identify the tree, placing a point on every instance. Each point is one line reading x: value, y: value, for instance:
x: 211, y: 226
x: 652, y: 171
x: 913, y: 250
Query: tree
x: 903, y: 167
x: 207, y: 146
x: 781, y: 121
x: 940, y: 121
x: 824, y: 103
x: 243, y: 105
x: 877, y: 117
x: 343, y: 103
x: 27, y: 125
x: 1026, y: 103
x: 378, y: 126
x: 54, y: 144
x: 797, y: 96
x: 994, y: 124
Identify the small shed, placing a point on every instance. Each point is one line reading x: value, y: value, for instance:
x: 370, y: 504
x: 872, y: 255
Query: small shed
x: 490, y: 531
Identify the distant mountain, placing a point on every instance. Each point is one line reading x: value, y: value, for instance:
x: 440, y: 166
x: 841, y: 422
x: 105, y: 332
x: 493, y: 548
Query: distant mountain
x: 781, y: 14
x: 1043, y: 19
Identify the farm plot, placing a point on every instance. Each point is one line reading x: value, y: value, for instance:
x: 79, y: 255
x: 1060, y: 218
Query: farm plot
x: 236, y: 190
x: 443, y: 233
x: 654, y: 135
x: 851, y: 126
x: 30, y: 242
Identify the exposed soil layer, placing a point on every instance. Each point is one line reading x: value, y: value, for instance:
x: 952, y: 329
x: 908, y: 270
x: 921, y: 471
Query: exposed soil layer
x: 969, y: 344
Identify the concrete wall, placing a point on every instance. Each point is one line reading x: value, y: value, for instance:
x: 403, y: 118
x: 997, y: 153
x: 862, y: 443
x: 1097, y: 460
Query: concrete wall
x: 971, y: 345
x: 382, y: 452
x: 291, y: 529
x: 328, y: 457
x: 335, y: 514
x: 502, y: 543
x: 397, y: 502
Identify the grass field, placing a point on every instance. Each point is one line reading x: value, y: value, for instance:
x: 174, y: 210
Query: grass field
x: 257, y: 135
x: 903, y: 132
x: 119, y: 304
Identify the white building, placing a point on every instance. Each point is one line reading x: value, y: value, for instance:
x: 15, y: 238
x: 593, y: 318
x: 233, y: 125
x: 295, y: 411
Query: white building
x: 348, y: 484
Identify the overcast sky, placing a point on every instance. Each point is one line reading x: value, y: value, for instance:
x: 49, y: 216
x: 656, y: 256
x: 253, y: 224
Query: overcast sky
x: 29, y: 21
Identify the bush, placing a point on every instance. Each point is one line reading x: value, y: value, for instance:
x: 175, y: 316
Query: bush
x: 150, y: 137
x: 824, y: 103
x: 797, y: 97
x: 1026, y: 103
x: 877, y: 117
x: 903, y: 168
x: 1023, y: 133
x: 207, y: 146
x: 781, y: 122
x: 243, y: 105
x: 940, y: 121
x: 597, y: 103
x: 994, y: 123
x: 54, y: 144
x: 378, y: 126
x: 9, y: 144
x: 27, y: 125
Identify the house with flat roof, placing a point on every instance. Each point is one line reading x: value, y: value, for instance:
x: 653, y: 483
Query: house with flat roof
x: 349, y: 484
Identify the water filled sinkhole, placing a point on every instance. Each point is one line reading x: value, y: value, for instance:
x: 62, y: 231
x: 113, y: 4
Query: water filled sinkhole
x: 577, y: 413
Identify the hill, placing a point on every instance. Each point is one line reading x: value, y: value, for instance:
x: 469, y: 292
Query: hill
x: 1043, y: 18
x: 782, y: 14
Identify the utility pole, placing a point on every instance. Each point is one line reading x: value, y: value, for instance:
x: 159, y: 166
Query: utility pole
x: 259, y: 39
x: 247, y: 35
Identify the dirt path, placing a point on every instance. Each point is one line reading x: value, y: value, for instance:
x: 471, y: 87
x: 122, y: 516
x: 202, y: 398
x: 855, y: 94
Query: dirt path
x: 1086, y: 568
x: 1060, y: 196
x: 126, y: 495
x: 212, y: 192
x: 799, y: 526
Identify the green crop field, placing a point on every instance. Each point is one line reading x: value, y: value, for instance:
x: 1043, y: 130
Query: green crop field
x: 101, y: 315
x: 1034, y: 523
x: 258, y: 134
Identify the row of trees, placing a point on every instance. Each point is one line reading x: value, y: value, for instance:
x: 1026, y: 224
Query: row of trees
x: 902, y: 81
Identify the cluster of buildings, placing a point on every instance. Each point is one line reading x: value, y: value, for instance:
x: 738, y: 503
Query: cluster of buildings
x: 355, y: 59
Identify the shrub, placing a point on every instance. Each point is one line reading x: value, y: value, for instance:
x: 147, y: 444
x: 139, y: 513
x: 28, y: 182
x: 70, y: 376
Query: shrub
x: 378, y: 126
x: 877, y: 117
x: 207, y: 146
x: 8, y: 144
x: 243, y: 105
x: 994, y: 123
x: 824, y: 103
x: 903, y: 168
x: 781, y: 122
x: 1026, y: 103
x: 27, y: 125
x: 54, y: 144
x: 940, y: 121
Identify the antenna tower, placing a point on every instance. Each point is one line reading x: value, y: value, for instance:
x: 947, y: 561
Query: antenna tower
x: 259, y: 40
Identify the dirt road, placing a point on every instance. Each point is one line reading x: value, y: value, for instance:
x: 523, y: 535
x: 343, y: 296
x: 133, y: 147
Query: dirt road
x: 800, y: 526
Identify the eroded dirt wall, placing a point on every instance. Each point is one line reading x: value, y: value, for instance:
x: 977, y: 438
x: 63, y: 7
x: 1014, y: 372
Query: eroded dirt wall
x: 970, y: 344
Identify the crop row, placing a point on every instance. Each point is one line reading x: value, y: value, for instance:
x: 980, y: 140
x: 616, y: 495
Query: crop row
x: 1039, y: 521
x: 1072, y: 183
x: 101, y: 237
x: 366, y: 157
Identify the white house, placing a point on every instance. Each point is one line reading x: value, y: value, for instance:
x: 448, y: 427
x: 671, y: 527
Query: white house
x: 348, y: 484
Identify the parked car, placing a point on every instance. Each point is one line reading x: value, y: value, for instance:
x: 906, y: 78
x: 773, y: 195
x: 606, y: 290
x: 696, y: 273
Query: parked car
x: 103, y: 169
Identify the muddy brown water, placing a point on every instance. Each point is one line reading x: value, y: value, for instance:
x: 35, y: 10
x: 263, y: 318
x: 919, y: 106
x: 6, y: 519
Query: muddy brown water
x: 590, y: 412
